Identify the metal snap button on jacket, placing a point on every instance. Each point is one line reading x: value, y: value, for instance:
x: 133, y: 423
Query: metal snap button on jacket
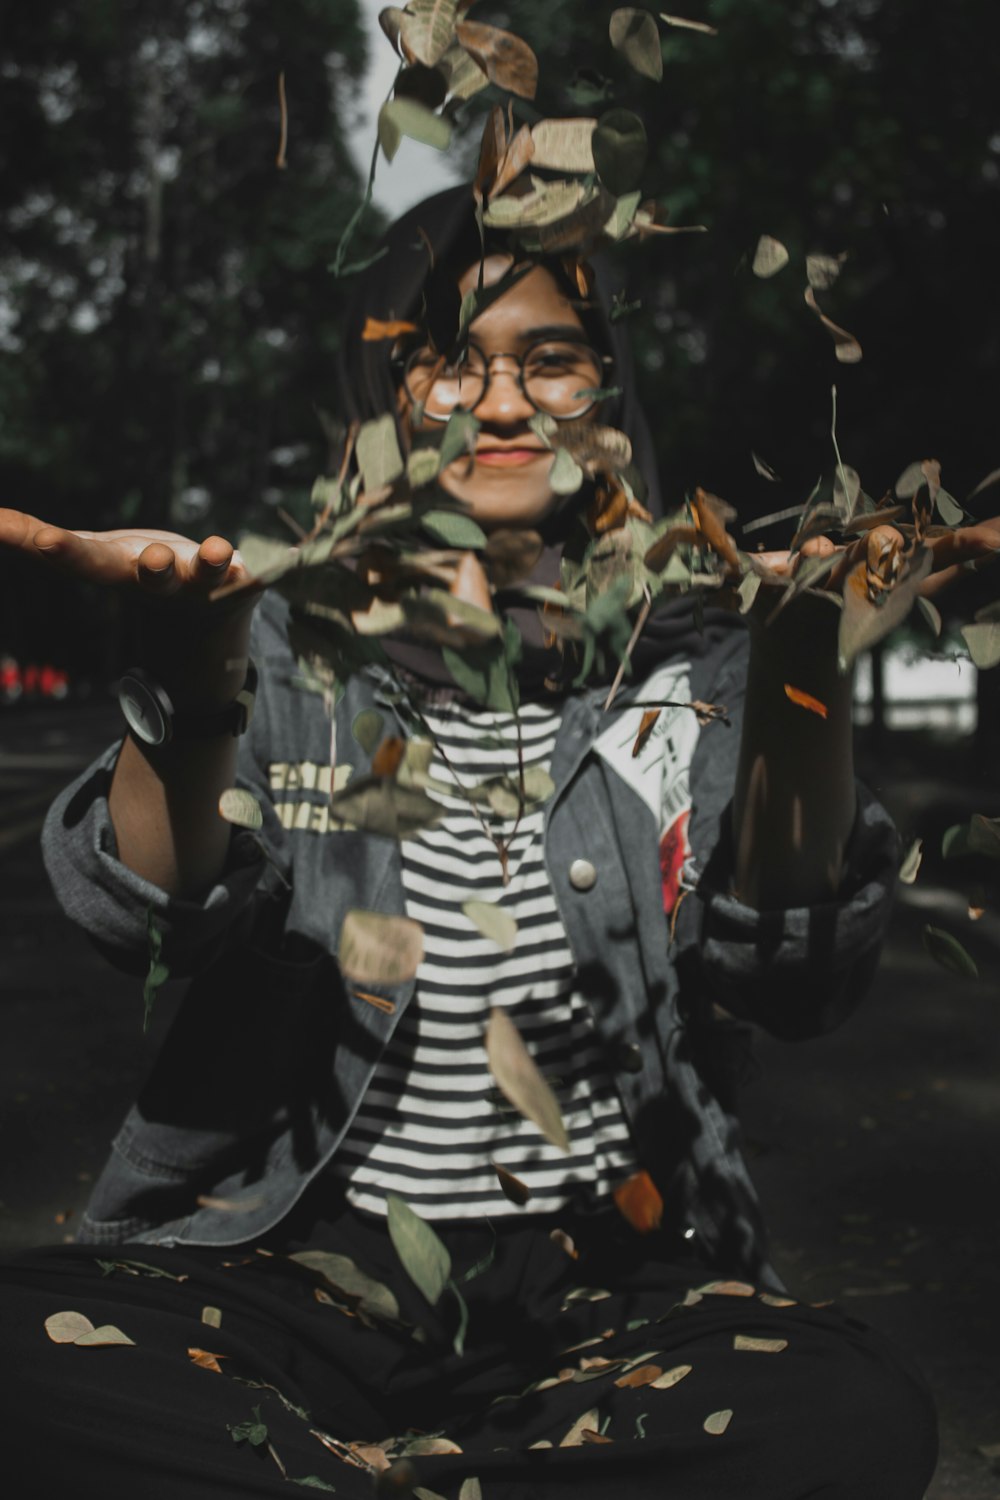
x: 582, y: 875
x: 628, y: 1057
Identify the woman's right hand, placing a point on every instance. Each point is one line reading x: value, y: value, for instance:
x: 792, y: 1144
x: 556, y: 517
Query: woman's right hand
x: 170, y: 577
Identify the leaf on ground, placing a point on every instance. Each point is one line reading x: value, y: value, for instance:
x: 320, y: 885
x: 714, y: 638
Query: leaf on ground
x: 493, y: 921
x: 635, y: 34
x: 638, y: 1200
x: 805, y: 700
x: 420, y: 1249
x: 755, y: 1345
x: 66, y: 1327
x: 911, y: 863
x: 718, y: 1421
x: 344, y: 1276
x: 241, y: 808
x: 512, y: 1187
x: 205, y: 1360
x: 949, y: 953
x: 520, y: 1081
x: 99, y: 1337
x: 588, y: 1422
x: 671, y: 1377
x: 377, y: 949
x: 726, y: 1289
x: 643, y: 1375
x: 769, y: 257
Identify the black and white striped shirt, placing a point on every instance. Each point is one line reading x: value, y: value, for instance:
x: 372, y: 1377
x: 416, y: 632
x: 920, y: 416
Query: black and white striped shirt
x: 433, y: 1121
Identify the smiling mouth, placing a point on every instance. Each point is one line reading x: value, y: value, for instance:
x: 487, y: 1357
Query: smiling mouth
x: 505, y: 458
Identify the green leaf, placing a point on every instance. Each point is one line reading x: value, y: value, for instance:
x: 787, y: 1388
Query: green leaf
x: 423, y: 1255
x: 930, y: 613
x: 376, y: 1299
x: 494, y: 922
x: 983, y: 641
x: 158, y: 972
x: 911, y: 863
x: 254, y: 1433
x: 519, y: 1080
x: 422, y: 466
x: 378, y: 455
x: 454, y: 529
x: 459, y: 437
x: 409, y: 117
x: 981, y: 835
x: 635, y: 34
x: 619, y: 145
x: 618, y: 225
x: 565, y: 475
x: 949, y: 953
x: 368, y: 728
x: 377, y: 949
x: 484, y: 675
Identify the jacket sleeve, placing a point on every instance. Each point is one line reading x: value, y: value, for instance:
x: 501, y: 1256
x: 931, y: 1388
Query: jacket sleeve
x: 799, y: 971
x: 113, y: 904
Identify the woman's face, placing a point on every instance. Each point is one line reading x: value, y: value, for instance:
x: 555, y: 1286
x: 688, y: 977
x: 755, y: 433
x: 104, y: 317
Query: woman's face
x: 506, y: 482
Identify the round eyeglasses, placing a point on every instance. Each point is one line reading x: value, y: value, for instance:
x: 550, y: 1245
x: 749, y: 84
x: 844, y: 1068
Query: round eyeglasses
x: 561, y: 377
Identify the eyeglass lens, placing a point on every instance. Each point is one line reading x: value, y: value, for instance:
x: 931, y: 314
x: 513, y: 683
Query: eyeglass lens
x: 557, y: 377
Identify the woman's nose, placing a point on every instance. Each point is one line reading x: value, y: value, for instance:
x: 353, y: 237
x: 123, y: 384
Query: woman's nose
x: 503, y: 399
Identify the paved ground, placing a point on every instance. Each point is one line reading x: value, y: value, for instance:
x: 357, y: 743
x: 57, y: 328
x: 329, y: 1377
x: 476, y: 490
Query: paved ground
x: 875, y: 1148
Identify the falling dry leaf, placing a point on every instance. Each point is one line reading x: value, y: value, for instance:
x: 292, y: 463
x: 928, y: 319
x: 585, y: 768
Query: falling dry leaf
x: 727, y: 1289
x: 805, y: 700
x: 774, y: 1301
x: 671, y: 1377
x: 685, y: 24
x: 758, y: 1345
x: 376, y: 949
x: 512, y: 1187
x: 375, y: 329
x: 388, y: 757
x: 241, y: 808
x: 211, y: 1317
x: 106, y: 1334
x: 718, y: 1422
x: 519, y: 1080
x: 646, y: 724
x: 764, y: 469
x: 638, y: 1200
x: 769, y: 257
x: 565, y: 1242
x: 206, y: 1361
x: 589, y: 1435
x: 493, y: 921
x: 911, y: 864
x: 505, y: 59
x: 846, y: 347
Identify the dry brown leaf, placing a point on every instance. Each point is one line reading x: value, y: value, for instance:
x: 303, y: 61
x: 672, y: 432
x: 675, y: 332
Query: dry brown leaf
x: 646, y: 725
x: 718, y: 1421
x: 682, y: 21
x: 505, y: 59
x: 758, y: 1345
x: 470, y: 584
x: 516, y: 159
x: 672, y: 1377
x: 644, y: 1375
x: 376, y: 949
x: 376, y: 1458
x: 389, y: 756
x: 206, y: 1361
x: 427, y: 1446
x: 664, y: 547
x: 66, y: 1327
x: 564, y: 146
x: 638, y: 1200
x: 590, y: 1435
x: 805, y: 700
x: 375, y: 329
x: 492, y: 149
x: 774, y: 1301
x: 512, y: 1187
x: 230, y: 1205
x: 565, y: 1242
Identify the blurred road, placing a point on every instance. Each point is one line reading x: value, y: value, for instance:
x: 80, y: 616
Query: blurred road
x: 875, y: 1149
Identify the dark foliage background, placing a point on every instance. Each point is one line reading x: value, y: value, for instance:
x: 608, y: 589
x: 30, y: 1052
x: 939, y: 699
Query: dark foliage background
x: 168, y: 322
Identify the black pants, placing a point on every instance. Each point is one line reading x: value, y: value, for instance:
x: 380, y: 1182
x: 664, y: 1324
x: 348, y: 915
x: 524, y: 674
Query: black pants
x: 824, y: 1407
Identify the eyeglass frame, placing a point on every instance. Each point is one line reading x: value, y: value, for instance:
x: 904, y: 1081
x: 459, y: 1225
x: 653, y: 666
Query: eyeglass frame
x: 603, y: 360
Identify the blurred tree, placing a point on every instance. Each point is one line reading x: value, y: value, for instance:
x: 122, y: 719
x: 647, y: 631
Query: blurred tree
x: 168, y: 322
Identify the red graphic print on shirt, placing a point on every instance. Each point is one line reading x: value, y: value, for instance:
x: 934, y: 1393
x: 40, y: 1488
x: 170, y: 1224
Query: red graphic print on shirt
x: 673, y: 853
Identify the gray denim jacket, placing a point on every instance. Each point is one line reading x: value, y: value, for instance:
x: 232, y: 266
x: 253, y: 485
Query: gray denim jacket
x: 272, y: 1049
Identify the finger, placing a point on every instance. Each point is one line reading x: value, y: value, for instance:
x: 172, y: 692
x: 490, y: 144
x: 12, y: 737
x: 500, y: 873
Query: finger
x: 156, y: 569
x: 212, y: 562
